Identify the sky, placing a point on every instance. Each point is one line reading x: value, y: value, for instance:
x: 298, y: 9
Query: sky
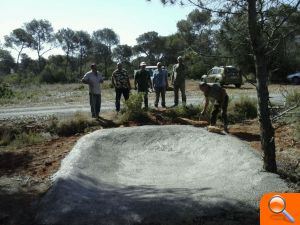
x: 128, y: 18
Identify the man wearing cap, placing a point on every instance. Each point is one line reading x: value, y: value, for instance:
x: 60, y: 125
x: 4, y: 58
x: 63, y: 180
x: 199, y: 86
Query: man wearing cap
x: 178, y: 80
x: 93, y: 78
x: 121, y: 83
x: 219, y: 97
x: 142, y: 82
x: 160, y: 84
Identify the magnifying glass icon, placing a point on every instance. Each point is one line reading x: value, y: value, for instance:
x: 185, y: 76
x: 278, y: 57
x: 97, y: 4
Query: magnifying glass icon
x: 277, y: 205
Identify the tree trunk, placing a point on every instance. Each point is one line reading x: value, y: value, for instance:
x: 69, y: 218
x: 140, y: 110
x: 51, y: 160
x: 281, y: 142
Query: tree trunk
x: 80, y: 62
x: 105, y: 66
x: 67, y: 63
x: 266, y: 128
x: 18, y: 58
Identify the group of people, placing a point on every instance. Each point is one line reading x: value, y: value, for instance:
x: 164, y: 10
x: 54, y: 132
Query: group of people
x: 159, y: 83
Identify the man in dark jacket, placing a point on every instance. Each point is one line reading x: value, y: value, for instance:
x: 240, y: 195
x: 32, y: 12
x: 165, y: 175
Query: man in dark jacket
x: 178, y: 80
x: 142, y: 82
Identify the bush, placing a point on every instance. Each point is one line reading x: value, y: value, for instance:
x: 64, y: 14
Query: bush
x: 29, y: 138
x: 18, y: 134
x: 51, y: 74
x: 107, y: 85
x: 292, y: 117
x: 297, y: 131
x: 197, y: 70
x: 6, y: 91
x: 249, y: 77
x: 133, y: 109
x: 7, y: 135
x: 71, y: 126
x: 182, y: 111
x: 293, y: 98
x: 244, y: 108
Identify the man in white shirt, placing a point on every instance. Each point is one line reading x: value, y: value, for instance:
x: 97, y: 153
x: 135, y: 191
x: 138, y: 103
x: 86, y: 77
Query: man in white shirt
x: 93, y: 78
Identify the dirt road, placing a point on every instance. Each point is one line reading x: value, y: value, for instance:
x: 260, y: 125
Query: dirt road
x: 107, y: 105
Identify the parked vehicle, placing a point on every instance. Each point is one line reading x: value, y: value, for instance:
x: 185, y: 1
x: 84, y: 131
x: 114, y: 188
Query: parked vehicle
x: 150, y: 69
x: 294, y: 78
x: 224, y: 76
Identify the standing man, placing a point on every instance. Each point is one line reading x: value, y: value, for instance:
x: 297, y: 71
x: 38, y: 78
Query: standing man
x: 160, y: 84
x: 219, y: 97
x: 121, y: 83
x: 93, y: 78
x: 178, y: 80
x: 142, y: 82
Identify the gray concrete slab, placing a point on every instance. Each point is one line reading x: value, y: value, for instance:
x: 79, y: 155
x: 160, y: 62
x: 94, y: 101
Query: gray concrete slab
x: 158, y: 175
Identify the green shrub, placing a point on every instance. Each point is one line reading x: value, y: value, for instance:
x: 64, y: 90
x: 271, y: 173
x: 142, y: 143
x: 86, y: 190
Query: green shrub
x: 53, y: 74
x: 293, y: 98
x: 182, y: 111
x: 7, y: 135
x: 19, y: 134
x: 133, y: 109
x: 134, y: 103
x: 243, y: 108
x: 71, y: 126
x: 29, y: 138
x: 107, y: 85
x: 297, y: 131
x: 249, y: 78
x: 21, y: 79
x: 79, y: 88
x: 6, y: 91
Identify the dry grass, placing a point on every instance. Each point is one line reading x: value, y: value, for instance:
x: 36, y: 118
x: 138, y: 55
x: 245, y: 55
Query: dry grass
x: 79, y: 123
x: 53, y: 94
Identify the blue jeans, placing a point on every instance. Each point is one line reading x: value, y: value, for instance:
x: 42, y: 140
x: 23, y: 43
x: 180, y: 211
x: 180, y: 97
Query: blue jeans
x: 160, y: 91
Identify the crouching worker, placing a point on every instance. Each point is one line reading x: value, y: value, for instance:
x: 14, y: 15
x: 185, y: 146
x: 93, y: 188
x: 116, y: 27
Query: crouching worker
x: 218, y: 95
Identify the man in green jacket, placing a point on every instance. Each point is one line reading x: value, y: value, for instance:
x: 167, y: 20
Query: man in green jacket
x: 219, y: 97
x: 178, y: 80
x: 142, y: 82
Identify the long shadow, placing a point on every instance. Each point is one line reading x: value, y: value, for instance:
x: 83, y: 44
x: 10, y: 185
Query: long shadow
x: 241, y: 88
x: 87, y: 201
x: 11, y: 162
x: 17, y: 208
x: 106, y: 123
x: 246, y: 136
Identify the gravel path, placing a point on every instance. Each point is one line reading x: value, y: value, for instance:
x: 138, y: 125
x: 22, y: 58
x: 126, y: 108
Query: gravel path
x: 107, y: 105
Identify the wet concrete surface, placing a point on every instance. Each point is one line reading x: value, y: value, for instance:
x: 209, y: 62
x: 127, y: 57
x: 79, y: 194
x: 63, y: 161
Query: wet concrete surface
x: 158, y: 175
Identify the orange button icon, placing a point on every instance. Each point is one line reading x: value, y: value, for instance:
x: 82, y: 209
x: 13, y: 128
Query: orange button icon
x: 280, y: 209
x: 277, y: 205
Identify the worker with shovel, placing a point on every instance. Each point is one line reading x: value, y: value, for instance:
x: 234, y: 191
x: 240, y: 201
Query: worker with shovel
x: 217, y: 95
